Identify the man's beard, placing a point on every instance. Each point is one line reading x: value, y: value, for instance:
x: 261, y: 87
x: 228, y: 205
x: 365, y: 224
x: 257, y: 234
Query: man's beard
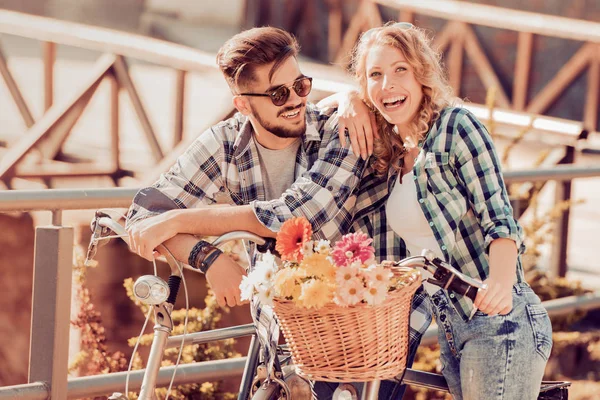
x: 278, y: 130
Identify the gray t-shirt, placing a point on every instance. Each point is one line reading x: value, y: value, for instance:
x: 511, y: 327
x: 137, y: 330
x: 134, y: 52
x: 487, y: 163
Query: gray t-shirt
x: 278, y: 168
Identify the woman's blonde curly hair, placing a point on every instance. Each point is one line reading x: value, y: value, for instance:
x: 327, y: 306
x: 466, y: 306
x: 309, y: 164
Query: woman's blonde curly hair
x: 415, y: 45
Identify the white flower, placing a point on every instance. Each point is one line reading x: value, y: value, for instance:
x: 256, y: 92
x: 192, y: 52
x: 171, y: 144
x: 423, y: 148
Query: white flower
x: 268, y: 258
x: 376, y: 293
x: 264, y: 272
x: 266, y: 294
x: 247, y: 288
x: 350, y: 293
x: 345, y: 274
x: 307, y: 248
x: 376, y: 274
x: 323, y: 246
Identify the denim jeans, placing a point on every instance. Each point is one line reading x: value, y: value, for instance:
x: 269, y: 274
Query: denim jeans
x: 499, y: 357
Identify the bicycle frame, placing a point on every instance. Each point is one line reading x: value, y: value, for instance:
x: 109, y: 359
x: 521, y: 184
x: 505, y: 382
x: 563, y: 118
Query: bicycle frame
x: 164, y: 325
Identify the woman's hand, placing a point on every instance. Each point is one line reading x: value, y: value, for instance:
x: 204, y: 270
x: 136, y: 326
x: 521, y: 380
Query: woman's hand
x: 497, y: 298
x: 355, y: 117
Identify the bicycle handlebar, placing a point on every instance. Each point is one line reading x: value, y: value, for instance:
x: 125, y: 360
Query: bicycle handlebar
x: 103, y: 221
x: 444, y: 274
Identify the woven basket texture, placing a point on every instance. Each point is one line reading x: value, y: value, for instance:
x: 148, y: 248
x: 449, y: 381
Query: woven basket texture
x: 351, y: 344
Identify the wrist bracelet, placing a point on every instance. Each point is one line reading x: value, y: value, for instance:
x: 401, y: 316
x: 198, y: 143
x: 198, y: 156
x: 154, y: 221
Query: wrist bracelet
x: 209, y: 260
x: 199, y: 252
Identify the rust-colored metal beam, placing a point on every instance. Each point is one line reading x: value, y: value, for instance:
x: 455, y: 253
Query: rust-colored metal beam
x: 122, y: 73
x: 482, y: 65
x: 63, y: 170
x: 590, y: 113
x: 522, y: 69
x: 561, y: 80
x: 49, y: 56
x: 179, y: 106
x: 58, y: 119
x: 13, y: 88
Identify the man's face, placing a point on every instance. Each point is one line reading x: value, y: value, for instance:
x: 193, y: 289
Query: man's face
x: 287, y: 120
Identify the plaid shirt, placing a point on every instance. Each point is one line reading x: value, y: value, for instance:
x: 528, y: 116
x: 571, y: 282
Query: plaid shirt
x: 461, y: 193
x: 222, y: 167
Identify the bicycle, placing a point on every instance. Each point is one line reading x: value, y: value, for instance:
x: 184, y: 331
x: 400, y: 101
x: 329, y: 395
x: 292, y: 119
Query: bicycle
x: 283, y: 382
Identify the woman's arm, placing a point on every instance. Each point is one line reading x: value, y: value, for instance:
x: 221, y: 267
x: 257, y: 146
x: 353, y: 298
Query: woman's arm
x: 497, y: 298
x: 355, y: 117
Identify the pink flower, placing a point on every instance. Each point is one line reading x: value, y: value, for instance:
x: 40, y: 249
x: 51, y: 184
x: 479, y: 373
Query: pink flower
x: 351, y: 248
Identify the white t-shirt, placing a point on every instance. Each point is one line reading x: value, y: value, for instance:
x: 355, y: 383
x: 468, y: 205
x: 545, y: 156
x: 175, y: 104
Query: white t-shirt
x: 405, y: 217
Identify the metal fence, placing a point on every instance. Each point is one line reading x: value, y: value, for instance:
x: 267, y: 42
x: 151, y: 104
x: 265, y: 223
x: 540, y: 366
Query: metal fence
x: 51, y: 303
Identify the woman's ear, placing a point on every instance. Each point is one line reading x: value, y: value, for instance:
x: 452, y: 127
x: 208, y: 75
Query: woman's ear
x: 241, y: 104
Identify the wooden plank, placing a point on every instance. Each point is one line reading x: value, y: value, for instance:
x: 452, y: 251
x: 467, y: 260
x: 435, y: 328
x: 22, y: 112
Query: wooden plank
x: 169, y: 159
x: 179, y: 106
x: 114, y: 121
x: 335, y: 20
x: 442, y: 40
x: 590, y: 114
x: 13, y: 88
x: 49, y: 57
x: 483, y: 67
x: 373, y: 15
x: 561, y: 80
x: 455, y: 59
x: 122, y: 74
x: 351, y: 36
x: 406, y: 16
x: 502, y: 18
x: 53, y: 118
x: 62, y: 170
x: 105, y: 41
x: 522, y: 69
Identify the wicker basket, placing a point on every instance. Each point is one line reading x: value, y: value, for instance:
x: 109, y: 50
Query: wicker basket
x: 351, y: 344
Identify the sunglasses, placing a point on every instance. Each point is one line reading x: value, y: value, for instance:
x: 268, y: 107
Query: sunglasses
x: 280, y: 95
x: 397, y: 25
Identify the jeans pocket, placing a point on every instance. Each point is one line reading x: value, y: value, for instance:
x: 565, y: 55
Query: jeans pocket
x: 542, y: 329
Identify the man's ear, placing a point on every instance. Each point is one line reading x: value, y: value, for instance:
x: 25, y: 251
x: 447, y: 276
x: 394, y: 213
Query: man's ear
x: 241, y: 104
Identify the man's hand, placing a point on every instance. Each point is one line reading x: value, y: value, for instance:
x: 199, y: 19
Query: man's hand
x: 224, y: 277
x: 356, y: 117
x: 497, y: 298
x: 149, y: 233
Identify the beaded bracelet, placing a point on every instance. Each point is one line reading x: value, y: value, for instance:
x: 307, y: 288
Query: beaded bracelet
x: 209, y: 260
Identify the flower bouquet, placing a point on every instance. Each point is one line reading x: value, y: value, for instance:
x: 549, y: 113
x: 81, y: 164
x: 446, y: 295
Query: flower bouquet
x: 344, y: 316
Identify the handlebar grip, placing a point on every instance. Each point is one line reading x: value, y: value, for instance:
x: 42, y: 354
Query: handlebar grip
x: 174, y: 283
x: 463, y: 288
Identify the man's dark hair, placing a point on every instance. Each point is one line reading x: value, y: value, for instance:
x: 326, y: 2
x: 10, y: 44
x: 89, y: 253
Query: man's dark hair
x: 238, y: 57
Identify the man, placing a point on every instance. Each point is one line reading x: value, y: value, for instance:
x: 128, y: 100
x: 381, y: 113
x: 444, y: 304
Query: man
x: 279, y: 157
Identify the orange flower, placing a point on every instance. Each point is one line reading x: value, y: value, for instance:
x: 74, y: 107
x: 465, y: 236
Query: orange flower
x: 293, y: 234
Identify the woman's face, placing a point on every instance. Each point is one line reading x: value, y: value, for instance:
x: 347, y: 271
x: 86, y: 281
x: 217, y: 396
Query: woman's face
x: 391, y: 85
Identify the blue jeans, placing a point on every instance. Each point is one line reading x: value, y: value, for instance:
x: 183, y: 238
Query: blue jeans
x: 499, y: 357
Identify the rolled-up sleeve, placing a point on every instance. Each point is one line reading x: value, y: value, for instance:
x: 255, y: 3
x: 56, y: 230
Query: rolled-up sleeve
x: 479, y: 169
x: 321, y: 192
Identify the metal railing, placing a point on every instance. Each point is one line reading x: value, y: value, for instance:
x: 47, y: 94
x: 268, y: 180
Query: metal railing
x: 49, y: 341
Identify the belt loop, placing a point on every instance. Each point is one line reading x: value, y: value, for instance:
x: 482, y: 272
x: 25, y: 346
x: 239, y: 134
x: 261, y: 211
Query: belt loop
x: 517, y: 288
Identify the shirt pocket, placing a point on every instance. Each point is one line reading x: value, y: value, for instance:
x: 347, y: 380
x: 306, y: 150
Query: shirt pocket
x: 440, y: 173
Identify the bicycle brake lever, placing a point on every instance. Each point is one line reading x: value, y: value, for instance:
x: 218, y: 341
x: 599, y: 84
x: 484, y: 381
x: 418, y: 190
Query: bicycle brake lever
x: 98, y: 232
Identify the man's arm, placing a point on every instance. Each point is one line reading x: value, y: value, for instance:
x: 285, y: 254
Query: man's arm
x: 224, y: 276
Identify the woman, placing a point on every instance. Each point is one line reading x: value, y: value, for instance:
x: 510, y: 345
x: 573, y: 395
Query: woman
x: 445, y: 193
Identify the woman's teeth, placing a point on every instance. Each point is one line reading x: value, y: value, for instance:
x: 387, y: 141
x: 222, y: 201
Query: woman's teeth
x: 291, y: 114
x: 393, y: 102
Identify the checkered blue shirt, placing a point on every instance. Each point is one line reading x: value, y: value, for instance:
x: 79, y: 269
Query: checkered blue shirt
x: 222, y: 167
x: 461, y: 193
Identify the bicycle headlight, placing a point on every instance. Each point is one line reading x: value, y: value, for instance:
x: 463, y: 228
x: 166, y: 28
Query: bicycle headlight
x: 151, y: 290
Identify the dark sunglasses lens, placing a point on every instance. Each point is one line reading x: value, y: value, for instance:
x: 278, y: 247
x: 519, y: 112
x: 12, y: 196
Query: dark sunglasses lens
x: 303, y: 87
x: 280, y: 95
